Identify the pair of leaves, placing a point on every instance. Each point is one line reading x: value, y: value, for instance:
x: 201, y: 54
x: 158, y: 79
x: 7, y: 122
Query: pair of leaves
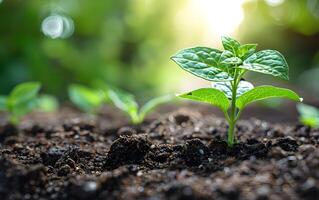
x: 269, y: 62
x: 309, y: 115
x: 219, y: 99
x: 214, y: 65
x: 242, y: 51
x: 127, y: 103
x: 21, y: 100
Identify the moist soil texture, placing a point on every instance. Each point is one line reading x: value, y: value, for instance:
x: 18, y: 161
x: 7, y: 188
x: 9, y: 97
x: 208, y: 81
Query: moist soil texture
x: 177, y: 155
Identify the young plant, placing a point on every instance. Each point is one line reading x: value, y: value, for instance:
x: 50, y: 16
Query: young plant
x: 86, y: 99
x: 47, y: 103
x: 21, y: 100
x: 225, y: 69
x: 308, y: 115
x: 127, y: 103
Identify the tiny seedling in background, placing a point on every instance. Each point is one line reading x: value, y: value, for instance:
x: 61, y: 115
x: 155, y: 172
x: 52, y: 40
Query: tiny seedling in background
x: 225, y: 69
x: 86, y: 99
x: 47, y: 103
x: 127, y: 103
x: 21, y: 100
x: 308, y: 115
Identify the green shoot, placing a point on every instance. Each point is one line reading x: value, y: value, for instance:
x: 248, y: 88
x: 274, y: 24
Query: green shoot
x: 21, y: 100
x: 225, y: 69
x: 86, y: 99
x: 127, y: 103
x: 309, y: 115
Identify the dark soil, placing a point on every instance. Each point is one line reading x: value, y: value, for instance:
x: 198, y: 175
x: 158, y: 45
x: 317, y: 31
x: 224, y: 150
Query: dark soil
x: 179, y: 155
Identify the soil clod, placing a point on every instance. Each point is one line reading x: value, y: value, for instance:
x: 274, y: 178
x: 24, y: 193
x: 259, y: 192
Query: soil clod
x: 127, y: 150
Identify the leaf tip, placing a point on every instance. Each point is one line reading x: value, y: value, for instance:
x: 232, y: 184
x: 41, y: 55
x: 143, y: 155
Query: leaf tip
x: 178, y: 94
x: 173, y: 58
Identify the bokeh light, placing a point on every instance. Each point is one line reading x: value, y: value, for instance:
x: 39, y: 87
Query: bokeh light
x: 57, y: 26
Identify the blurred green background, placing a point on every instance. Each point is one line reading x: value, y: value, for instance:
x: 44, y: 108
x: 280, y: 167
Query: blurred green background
x: 127, y: 43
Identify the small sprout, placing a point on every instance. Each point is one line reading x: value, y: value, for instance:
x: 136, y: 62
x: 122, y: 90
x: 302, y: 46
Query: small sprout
x: 127, y: 103
x: 308, y: 115
x: 225, y: 69
x: 21, y: 100
x: 86, y: 99
x: 47, y: 103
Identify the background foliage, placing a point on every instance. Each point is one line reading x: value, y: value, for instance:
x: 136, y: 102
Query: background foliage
x: 128, y: 43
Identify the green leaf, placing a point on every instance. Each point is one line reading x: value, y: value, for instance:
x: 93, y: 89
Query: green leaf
x: 226, y: 88
x: 267, y: 62
x: 310, y: 121
x: 228, y: 59
x: 152, y: 104
x: 22, y: 100
x: 3, y: 103
x: 209, y: 95
x: 307, y: 110
x: 246, y: 50
x: 265, y: 92
x: 47, y: 103
x: 309, y: 115
x: 125, y: 102
x: 230, y: 44
x: 202, y: 62
x: 232, y: 61
x: 17, y: 108
x: 85, y: 98
x: 23, y: 93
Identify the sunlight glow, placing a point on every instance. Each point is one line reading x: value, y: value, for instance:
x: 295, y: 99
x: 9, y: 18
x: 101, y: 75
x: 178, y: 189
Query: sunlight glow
x: 274, y: 2
x: 222, y: 17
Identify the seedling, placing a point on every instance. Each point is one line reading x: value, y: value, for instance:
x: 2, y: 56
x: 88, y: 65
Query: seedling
x: 127, y: 103
x: 47, y: 103
x: 309, y: 115
x: 86, y: 99
x: 21, y: 100
x: 225, y: 69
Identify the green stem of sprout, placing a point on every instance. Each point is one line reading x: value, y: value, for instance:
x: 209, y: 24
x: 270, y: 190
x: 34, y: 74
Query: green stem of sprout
x: 234, y: 114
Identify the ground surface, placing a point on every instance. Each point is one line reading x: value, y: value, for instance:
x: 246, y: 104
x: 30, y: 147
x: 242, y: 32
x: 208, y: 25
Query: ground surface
x: 178, y: 155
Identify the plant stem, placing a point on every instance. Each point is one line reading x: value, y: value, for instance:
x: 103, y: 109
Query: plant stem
x: 136, y: 118
x: 232, y: 118
x: 235, y: 113
x: 231, y: 137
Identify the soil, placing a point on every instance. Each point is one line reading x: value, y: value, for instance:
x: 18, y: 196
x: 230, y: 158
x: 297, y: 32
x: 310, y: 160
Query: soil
x: 178, y: 155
